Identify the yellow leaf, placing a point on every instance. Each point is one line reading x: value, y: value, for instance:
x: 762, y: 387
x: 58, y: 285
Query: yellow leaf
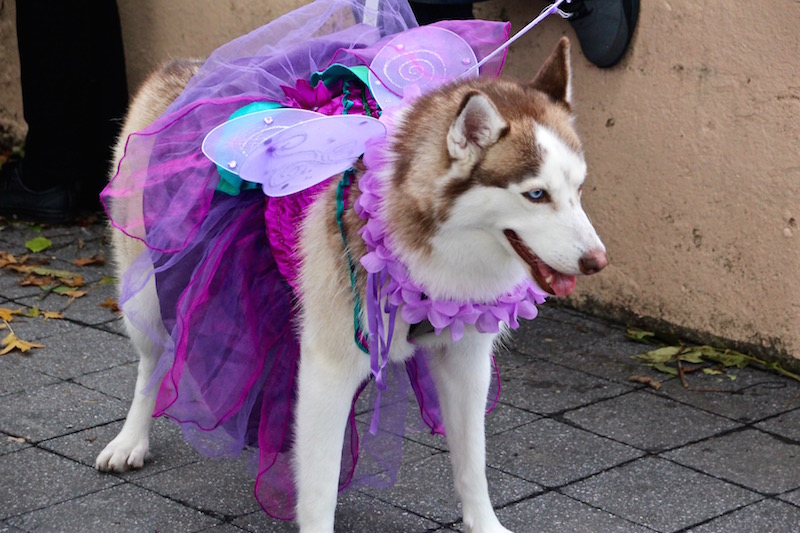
x: 12, y: 342
x: 33, y: 312
x: 52, y: 314
x: 8, y: 314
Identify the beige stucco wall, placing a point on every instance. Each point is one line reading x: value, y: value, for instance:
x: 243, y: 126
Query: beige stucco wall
x: 692, y: 144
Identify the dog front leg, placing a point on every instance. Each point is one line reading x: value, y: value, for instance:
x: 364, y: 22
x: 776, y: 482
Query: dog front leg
x: 327, y: 382
x: 462, y: 373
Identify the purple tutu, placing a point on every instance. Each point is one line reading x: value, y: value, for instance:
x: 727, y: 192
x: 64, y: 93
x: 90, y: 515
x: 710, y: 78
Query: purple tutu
x: 225, y: 265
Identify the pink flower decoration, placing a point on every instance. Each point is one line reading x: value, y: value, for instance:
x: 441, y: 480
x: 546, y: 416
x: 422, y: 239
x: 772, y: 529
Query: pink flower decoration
x: 317, y: 98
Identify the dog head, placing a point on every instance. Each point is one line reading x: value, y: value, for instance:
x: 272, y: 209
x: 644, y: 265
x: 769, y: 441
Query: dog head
x: 487, y: 187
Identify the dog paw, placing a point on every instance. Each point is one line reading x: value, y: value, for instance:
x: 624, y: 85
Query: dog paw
x: 493, y: 527
x: 496, y: 529
x: 122, y: 454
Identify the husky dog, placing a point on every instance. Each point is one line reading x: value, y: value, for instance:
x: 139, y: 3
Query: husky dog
x: 484, y: 191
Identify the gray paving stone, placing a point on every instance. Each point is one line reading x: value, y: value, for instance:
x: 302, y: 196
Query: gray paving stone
x: 77, y: 350
x: 33, y: 479
x: 608, y: 357
x: 168, y: 449
x: 260, y: 522
x: 226, y: 528
x: 222, y: 487
x: 118, y: 382
x: 16, y: 373
x: 56, y: 410
x: 38, y: 329
x: 750, y: 458
x: 87, y: 309
x: 766, y: 516
x: 545, y: 388
x: 356, y: 512
x: 752, y: 396
x: 556, y: 513
x: 558, y: 331
x: 501, y: 419
x: 121, y: 508
x: 426, y: 488
x: 369, y: 466
x: 8, y: 528
x: 648, y: 421
x: 659, y: 494
x: 11, y: 289
x: 786, y: 425
x: 552, y: 454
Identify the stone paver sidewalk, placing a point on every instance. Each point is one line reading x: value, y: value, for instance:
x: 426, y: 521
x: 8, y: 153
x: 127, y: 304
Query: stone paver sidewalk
x: 574, y: 446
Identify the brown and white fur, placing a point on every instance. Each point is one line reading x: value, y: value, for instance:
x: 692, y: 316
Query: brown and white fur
x: 484, y: 191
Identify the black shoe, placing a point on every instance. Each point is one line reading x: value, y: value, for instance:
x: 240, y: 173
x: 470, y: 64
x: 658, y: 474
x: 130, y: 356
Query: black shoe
x: 55, y: 205
x: 603, y: 27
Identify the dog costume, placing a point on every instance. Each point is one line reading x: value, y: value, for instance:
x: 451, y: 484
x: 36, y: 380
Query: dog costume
x: 224, y: 255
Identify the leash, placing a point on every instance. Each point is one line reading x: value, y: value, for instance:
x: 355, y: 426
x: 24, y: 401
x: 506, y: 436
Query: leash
x: 549, y: 10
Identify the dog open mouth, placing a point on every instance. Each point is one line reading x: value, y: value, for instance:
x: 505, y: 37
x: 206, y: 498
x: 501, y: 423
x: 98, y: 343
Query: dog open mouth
x: 545, y: 276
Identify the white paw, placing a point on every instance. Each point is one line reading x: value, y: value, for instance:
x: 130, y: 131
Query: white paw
x: 122, y: 454
x: 492, y: 529
x: 490, y: 526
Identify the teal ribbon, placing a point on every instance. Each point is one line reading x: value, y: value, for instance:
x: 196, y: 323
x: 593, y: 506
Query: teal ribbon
x: 358, y: 335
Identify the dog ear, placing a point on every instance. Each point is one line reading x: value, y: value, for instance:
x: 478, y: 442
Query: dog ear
x: 477, y: 126
x: 555, y: 76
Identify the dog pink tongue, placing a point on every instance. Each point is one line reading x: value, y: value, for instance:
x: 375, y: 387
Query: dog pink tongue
x: 560, y: 284
x: 563, y: 284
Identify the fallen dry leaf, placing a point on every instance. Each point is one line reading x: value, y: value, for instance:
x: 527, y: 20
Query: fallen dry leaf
x: 18, y: 440
x: 111, y: 304
x: 37, y: 281
x: 66, y: 291
x: 11, y: 342
x: 75, y: 281
x: 52, y: 314
x: 63, y: 276
x: 7, y: 259
x: 646, y: 380
x: 94, y: 260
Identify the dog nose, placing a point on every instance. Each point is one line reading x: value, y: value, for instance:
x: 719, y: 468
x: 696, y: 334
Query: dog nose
x: 593, y: 262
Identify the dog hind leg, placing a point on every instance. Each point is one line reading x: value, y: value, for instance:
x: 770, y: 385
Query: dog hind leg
x: 131, y: 447
x: 462, y: 373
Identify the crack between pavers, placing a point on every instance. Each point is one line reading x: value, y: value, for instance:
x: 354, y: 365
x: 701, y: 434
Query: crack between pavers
x: 439, y: 523
x: 59, y: 502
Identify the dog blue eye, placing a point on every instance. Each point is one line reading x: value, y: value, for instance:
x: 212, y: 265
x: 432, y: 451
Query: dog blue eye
x: 536, y: 195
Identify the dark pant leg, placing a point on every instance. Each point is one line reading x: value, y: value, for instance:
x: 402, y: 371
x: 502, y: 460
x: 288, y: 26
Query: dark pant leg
x: 426, y: 13
x: 74, y: 91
